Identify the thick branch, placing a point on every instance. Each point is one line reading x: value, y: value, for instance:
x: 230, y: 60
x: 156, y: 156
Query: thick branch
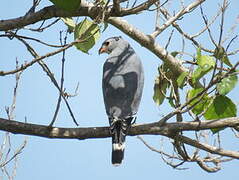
x: 86, y: 9
x: 168, y: 130
x: 149, y: 43
x: 102, y: 132
x: 116, y: 6
x: 43, y: 14
x: 92, y: 11
x: 52, y: 132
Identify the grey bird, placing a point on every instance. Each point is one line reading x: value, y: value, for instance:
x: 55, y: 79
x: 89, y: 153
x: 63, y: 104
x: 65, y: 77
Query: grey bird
x: 123, y: 80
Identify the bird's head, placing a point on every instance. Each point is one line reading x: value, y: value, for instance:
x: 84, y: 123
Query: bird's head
x: 110, y: 44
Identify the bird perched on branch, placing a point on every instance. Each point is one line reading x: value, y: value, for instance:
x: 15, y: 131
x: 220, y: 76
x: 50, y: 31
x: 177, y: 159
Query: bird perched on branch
x: 123, y: 81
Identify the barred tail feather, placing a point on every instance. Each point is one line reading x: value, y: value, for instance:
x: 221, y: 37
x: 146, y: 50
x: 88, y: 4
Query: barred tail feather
x: 117, y: 153
x: 119, y: 128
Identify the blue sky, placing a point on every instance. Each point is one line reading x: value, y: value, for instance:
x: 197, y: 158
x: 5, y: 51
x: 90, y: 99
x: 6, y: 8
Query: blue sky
x: 37, y: 97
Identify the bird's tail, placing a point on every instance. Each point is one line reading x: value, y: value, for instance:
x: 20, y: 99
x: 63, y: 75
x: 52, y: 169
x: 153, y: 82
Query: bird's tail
x: 119, y: 128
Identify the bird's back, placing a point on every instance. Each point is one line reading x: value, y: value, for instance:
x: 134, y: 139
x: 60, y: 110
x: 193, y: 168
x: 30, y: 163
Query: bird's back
x: 122, y: 83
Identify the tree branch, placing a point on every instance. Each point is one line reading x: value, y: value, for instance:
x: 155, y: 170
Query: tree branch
x: 149, y: 43
x: 116, y: 6
x: 86, y: 9
x: 209, y: 148
x: 39, y: 58
x: 43, y: 14
x: 168, y: 129
x: 90, y: 10
x: 170, y: 21
x: 139, y: 8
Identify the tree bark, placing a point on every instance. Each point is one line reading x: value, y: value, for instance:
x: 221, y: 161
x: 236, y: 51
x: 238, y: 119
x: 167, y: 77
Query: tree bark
x: 168, y: 129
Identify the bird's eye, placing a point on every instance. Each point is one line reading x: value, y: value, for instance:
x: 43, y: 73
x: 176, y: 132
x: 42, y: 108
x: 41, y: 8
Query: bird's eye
x: 107, y: 43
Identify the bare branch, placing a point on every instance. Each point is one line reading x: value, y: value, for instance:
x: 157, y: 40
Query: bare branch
x: 11, y: 35
x: 116, y: 6
x: 149, y: 43
x: 62, y: 81
x: 23, y: 67
x: 209, y: 148
x: 17, y: 152
x: 203, y: 165
x: 86, y: 9
x: 157, y: 150
x: 51, y: 76
x: 223, y: 10
x: 185, y: 10
x: 43, y: 14
x: 6, y: 147
x: 188, y: 36
x: 41, y: 28
x: 139, y: 8
x: 103, y: 132
x: 207, y: 25
x: 39, y: 58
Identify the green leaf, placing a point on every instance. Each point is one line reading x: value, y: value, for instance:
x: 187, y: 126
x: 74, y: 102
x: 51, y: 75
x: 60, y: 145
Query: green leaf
x: 198, y: 53
x: 174, y: 53
x: 205, y: 60
x: 88, y: 31
x: 171, y: 102
x: 226, y: 61
x: 203, y: 102
x: 105, y: 26
x: 227, y: 84
x: 68, y: 5
x: 221, y: 54
x: 70, y: 23
x: 200, y: 72
x: 221, y: 107
x: 171, y: 98
x: 181, y: 79
x: 101, y: 2
x: 160, y: 88
x: 206, y: 64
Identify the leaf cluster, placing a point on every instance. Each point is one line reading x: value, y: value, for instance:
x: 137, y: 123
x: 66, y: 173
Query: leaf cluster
x: 211, y: 100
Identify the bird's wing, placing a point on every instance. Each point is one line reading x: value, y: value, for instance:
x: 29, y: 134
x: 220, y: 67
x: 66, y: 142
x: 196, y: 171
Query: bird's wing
x: 122, y: 84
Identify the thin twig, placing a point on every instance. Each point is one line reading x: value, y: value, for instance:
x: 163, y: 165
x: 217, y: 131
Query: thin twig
x: 40, y: 28
x: 11, y: 34
x: 50, y: 75
x: 62, y: 80
x: 206, y: 23
x: 170, y: 21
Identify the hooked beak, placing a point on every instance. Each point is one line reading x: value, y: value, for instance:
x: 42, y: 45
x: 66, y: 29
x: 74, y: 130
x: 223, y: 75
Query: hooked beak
x: 102, y: 50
